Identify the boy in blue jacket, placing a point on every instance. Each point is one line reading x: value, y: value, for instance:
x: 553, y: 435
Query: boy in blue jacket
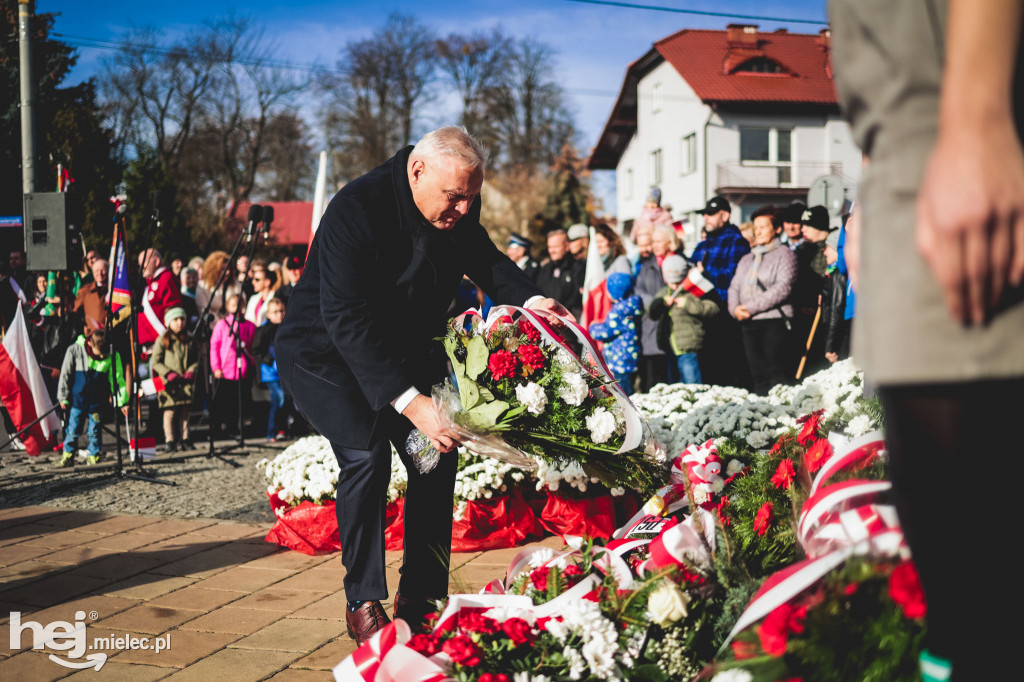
x: 619, y: 330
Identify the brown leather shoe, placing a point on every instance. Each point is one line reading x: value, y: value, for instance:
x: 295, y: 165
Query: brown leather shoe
x: 364, y: 622
x: 414, y: 612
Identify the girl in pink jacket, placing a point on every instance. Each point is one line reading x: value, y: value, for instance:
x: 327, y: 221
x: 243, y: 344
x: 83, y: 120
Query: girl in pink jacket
x: 231, y: 372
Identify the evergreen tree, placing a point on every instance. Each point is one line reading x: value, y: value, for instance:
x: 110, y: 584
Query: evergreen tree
x: 568, y: 199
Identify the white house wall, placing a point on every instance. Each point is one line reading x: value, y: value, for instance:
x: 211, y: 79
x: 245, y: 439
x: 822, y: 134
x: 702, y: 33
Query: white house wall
x: 680, y: 114
x: 817, y: 141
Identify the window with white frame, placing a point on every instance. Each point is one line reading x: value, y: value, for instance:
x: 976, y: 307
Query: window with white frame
x: 627, y: 189
x: 688, y: 154
x: 768, y: 147
x: 656, y: 98
x: 655, y: 174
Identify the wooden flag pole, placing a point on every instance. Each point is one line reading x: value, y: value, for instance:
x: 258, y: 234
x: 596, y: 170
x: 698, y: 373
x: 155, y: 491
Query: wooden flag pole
x: 810, y: 340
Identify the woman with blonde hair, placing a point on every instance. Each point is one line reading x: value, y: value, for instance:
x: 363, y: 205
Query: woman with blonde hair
x: 213, y: 270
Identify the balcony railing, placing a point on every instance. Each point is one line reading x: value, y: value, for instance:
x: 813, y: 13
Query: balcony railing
x: 766, y: 175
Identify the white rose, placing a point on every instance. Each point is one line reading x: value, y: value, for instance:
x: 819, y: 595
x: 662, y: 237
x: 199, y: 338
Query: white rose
x: 601, y: 424
x: 667, y: 604
x: 532, y: 395
x: 574, y: 389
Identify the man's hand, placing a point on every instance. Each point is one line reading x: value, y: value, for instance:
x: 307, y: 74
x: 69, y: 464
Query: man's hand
x: 670, y: 301
x: 423, y: 416
x: 970, y: 218
x: 218, y: 374
x: 550, y: 309
x: 741, y: 313
x: 832, y: 357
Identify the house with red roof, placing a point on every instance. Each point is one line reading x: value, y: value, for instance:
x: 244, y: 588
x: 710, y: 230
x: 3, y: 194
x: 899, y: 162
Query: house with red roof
x: 750, y: 115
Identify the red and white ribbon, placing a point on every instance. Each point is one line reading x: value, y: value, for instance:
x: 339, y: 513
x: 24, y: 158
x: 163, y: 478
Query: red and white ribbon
x: 829, y: 499
x: 386, y: 658
x: 682, y: 542
x: 857, y: 449
x: 696, y: 283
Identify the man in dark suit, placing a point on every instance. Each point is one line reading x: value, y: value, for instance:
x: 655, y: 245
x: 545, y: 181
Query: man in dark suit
x: 356, y: 353
x: 562, y: 277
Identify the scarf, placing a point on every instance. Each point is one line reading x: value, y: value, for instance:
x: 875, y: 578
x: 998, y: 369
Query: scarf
x: 758, y: 252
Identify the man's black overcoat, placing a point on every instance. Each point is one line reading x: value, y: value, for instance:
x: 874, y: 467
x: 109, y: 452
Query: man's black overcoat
x: 374, y: 294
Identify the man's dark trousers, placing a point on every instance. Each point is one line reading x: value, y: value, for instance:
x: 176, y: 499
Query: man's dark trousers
x: 360, y: 505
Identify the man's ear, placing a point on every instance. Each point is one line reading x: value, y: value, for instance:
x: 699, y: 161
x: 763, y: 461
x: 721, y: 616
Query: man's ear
x: 418, y: 169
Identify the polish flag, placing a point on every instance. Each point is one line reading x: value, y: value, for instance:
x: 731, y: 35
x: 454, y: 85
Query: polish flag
x: 151, y: 386
x: 596, y: 301
x: 696, y: 283
x: 142, y: 447
x: 22, y: 389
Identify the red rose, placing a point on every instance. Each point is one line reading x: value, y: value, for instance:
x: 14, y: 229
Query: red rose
x: 539, y: 578
x: 494, y: 677
x: 474, y: 621
x: 811, y: 423
x: 817, y: 455
x: 463, y: 651
x: 851, y: 589
x: 502, y: 364
x: 572, y: 574
x: 518, y: 630
x: 783, y: 476
x: 774, y: 631
x: 763, y: 518
x: 527, y: 329
x: 905, y: 589
x: 531, y: 356
x: 425, y: 644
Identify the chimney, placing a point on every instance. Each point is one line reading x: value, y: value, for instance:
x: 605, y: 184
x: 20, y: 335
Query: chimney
x: 742, y: 35
x: 824, y: 39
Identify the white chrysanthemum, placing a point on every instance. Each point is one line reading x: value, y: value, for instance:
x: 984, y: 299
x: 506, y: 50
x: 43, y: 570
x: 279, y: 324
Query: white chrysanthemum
x: 563, y: 361
x: 734, y: 675
x: 601, y: 425
x: 573, y: 389
x: 532, y: 395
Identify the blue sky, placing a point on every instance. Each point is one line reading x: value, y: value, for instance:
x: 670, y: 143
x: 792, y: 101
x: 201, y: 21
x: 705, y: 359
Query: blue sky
x: 593, y: 43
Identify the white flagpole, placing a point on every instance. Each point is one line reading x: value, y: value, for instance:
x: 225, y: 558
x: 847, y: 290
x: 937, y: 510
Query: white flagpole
x: 320, y: 195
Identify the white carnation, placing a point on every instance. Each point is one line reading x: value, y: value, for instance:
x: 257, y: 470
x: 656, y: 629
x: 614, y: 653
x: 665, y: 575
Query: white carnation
x: 734, y: 675
x: 532, y: 395
x: 601, y: 424
x: 574, y: 389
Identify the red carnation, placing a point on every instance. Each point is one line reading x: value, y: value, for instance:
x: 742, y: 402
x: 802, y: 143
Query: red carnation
x: 851, y: 589
x: 811, y: 423
x: 774, y: 631
x: 474, y: 621
x: 425, y: 644
x: 527, y: 329
x: 463, y: 651
x: 572, y: 574
x: 539, y: 578
x: 518, y: 630
x: 720, y: 509
x: 743, y: 650
x: 763, y: 518
x: 494, y: 677
x: 905, y: 589
x: 817, y: 455
x: 531, y: 356
x: 783, y: 476
x: 502, y: 364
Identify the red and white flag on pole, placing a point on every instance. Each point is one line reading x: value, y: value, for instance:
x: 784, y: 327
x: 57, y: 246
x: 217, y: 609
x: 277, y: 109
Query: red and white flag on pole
x: 596, y: 301
x: 22, y: 389
x: 696, y: 283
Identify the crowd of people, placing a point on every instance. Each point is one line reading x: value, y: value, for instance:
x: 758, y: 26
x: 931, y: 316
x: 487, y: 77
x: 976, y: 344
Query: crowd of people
x: 204, y: 340
x: 774, y: 302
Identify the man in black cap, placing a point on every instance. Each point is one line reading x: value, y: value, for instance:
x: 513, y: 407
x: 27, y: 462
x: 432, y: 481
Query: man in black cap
x: 811, y: 278
x: 518, y: 250
x: 722, y: 358
x: 792, y: 233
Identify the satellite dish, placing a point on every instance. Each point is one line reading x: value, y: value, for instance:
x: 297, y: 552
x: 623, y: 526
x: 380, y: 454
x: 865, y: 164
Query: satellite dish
x: 828, y: 191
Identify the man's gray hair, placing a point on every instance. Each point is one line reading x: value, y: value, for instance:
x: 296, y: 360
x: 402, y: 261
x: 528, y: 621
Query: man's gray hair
x: 453, y: 141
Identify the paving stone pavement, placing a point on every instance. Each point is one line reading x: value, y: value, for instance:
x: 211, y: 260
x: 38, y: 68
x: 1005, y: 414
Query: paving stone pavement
x: 230, y: 605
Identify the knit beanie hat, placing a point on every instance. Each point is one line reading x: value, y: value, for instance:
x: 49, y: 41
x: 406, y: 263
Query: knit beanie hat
x: 619, y: 285
x: 173, y: 314
x: 674, y: 268
x: 833, y: 239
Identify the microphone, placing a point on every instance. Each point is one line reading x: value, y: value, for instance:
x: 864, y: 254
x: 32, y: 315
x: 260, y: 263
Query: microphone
x: 255, y: 216
x: 268, y: 217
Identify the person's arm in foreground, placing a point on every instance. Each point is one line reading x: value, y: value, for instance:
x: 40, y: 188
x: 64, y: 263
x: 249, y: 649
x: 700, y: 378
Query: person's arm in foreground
x: 970, y: 226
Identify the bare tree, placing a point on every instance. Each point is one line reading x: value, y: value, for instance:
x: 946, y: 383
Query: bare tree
x: 532, y: 119
x: 476, y: 65
x: 373, y: 108
x: 289, y: 171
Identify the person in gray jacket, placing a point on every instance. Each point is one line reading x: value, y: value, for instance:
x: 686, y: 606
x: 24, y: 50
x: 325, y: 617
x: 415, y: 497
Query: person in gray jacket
x: 759, y: 299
